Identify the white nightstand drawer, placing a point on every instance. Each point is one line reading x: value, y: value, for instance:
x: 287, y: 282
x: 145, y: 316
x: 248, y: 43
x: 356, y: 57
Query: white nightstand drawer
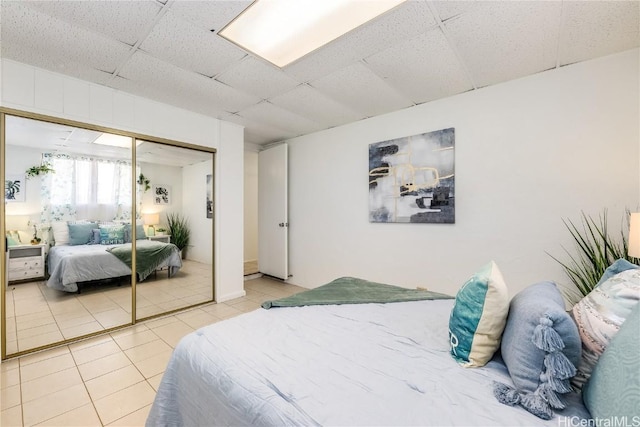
x: 25, y: 262
x: 25, y: 274
x: 28, y: 263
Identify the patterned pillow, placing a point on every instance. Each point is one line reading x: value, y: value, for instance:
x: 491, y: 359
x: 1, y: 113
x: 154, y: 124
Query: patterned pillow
x: 613, y: 391
x: 540, y: 347
x: 478, y: 317
x: 600, y: 314
x: 111, y: 234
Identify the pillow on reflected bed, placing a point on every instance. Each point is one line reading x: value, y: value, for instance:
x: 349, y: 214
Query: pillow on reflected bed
x: 81, y: 233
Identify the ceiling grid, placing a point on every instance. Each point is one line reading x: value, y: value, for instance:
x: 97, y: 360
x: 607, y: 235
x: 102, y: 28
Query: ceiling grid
x: 420, y: 51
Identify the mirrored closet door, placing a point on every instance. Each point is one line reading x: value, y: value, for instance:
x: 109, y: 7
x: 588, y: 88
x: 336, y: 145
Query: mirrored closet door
x: 84, y: 209
x: 175, y: 198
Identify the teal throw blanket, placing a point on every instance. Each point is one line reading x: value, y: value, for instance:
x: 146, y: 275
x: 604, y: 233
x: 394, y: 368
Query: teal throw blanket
x: 149, y: 255
x: 350, y: 290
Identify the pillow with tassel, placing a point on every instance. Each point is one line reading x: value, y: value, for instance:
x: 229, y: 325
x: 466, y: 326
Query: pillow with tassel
x: 541, y: 348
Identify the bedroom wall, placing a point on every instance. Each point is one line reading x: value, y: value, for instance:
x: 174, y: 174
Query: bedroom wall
x: 36, y: 90
x: 163, y: 175
x: 250, y: 205
x: 194, y: 189
x: 528, y: 153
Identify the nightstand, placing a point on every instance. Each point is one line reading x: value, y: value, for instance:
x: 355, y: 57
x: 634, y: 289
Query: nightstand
x: 165, y: 238
x: 25, y: 262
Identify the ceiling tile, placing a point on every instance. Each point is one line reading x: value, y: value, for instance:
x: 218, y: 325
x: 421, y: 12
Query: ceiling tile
x: 309, y: 102
x: 593, y: 29
x: 447, y: 9
x: 406, y: 21
x: 210, y: 15
x: 121, y: 20
x: 501, y: 41
x: 279, y: 118
x: 361, y: 89
x: 258, y: 133
x: 193, y: 48
x: 422, y: 69
x: 25, y: 27
x: 258, y: 78
x: 48, y: 60
x: 169, y: 82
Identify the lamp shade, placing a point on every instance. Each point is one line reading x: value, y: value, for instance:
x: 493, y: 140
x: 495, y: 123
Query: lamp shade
x: 151, y: 218
x: 634, y: 235
x: 17, y: 222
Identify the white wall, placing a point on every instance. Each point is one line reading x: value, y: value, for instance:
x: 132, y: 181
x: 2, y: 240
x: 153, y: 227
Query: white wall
x: 195, y: 189
x: 528, y: 153
x: 250, y: 205
x: 35, y: 90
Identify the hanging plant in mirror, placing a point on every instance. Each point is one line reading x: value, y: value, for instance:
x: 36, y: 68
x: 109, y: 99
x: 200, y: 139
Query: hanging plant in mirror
x: 144, y: 182
x: 39, y: 170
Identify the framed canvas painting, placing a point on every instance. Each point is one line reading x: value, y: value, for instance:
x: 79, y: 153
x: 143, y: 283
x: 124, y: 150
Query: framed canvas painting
x: 412, y: 179
x: 14, y: 188
x: 161, y: 194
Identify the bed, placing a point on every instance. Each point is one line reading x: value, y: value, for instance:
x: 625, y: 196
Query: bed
x: 71, y: 265
x: 336, y: 364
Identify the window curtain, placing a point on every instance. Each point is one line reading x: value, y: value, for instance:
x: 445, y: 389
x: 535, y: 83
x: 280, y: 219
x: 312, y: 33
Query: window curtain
x: 85, y: 187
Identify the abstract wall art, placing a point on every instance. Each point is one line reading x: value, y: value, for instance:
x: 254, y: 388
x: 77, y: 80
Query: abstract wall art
x: 412, y: 179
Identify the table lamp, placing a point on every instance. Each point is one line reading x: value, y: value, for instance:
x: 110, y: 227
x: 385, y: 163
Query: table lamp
x: 150, y: 220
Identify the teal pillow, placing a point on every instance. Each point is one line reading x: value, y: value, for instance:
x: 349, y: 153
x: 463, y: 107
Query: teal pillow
x: 140, y: 235
x: 541, y: 348
x: 111, y: 234
x: 613, y: 391
x: 478, y: 317
x: 81, y: 234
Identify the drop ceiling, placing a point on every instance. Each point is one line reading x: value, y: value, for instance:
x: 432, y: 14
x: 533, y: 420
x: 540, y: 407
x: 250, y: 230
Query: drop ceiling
x: 169, y: 51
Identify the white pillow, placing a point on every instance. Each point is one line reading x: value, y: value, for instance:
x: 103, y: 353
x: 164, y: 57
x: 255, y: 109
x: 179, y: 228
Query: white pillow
x: 600, y: 314
x: 60, y: 232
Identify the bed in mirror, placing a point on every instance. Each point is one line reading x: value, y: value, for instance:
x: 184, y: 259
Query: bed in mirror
x: 82, y: 215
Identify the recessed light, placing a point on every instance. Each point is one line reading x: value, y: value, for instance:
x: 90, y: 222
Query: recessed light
x: 282, y: 31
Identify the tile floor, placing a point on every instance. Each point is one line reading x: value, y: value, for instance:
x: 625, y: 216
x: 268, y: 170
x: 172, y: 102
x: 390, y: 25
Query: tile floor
x: 111, y: 380
x: 38, y: 315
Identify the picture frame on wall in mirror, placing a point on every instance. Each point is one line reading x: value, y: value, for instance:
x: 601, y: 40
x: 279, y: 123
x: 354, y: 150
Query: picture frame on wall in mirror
x: 15, y: 188
x: 209, y: 196
x: 162, y: 194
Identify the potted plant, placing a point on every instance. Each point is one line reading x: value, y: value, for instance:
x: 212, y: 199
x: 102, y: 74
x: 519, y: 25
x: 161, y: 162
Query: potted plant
x: 595, y: 250
x: 179, y: 230
x: 160, y: 231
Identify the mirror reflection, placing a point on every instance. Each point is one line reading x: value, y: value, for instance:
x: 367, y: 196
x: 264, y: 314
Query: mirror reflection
x: 175, y: 188
x: 68, y: 195
x: 72, y: 227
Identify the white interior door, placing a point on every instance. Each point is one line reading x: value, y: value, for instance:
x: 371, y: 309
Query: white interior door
x: 273, y: 220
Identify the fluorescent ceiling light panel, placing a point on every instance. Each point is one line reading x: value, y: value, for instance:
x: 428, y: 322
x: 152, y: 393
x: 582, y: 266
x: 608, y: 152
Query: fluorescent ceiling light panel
x: 113, y: 140
x: 282, y: 31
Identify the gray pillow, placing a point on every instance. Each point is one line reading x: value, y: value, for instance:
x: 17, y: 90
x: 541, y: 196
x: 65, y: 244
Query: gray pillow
x: 541, y: 348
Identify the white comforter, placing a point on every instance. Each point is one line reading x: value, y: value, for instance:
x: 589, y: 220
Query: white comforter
x: 348, y: 365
